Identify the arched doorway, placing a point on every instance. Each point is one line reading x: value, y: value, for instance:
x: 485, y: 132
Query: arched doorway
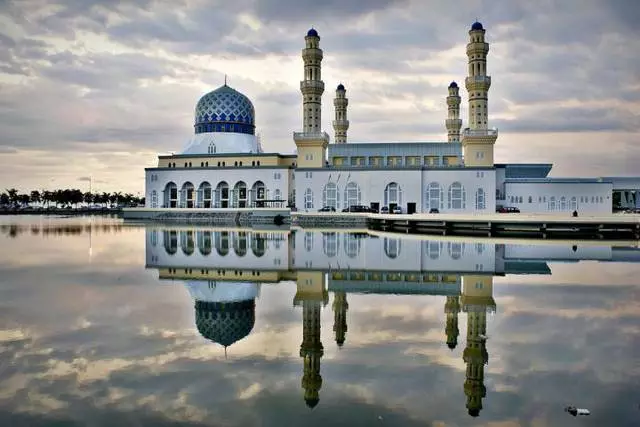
x: 258, y: 194
x: 240, y: 194
x: 204, y: 195
x: 187, y: 195
x: 222, y: 195
x: 170, y: 195
x: 393, y: 195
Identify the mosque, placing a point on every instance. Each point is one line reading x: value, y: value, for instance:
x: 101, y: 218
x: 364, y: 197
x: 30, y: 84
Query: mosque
x: 225, y: 166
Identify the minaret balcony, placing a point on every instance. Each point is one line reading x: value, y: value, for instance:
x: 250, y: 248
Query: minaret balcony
x: 474, y: 80
x: 480, y: 132
x: 310, y: 136
x: 317, y: 85
x: 341, y: 123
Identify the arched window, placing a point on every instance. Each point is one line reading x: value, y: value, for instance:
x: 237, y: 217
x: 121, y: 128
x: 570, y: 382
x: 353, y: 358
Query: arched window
x: 170, y: 240
x: 392, y: 247
x: 552, y: 203
x: 240, y: 194
x: 433, y: 249
x: 393, y: 195
x: 186, y: 242
x: 258, y: 194
x: 222, y: 242
x: 171, y: 195
x: 330, y: 244
x: 480, y: 200
x: 308, y: 241
x: 204, y: 195
x: 457, y: 196
x: 258, y: 245
x: 240, y: 243
x: 352, y: 245
x: 308, y: 199
x: 330, y: 196
x: 563, y: 203
x: 435, y: 196
x: 212, y: 148
x: 204, y: 242
x: 154, y: 199
x: 277, y: 195
x: 187, y: 195
x: 574, y: 203
x: 456, y: 249
x: 352, y: 194
x: 222, y: 195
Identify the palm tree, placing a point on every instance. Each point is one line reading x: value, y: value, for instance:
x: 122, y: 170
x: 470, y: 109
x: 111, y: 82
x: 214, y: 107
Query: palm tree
x: 13, y: 196
x: 35, y: 196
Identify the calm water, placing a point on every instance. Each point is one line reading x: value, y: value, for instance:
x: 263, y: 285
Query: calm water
x: 106, y: 324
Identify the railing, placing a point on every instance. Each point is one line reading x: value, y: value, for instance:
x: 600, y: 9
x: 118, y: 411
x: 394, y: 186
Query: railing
x: 310, y: 136
x: 317, y: 84
x: 477, y: 79
x: 480, y: 132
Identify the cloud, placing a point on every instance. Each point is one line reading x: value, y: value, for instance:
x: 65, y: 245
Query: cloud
x: 87, y: 78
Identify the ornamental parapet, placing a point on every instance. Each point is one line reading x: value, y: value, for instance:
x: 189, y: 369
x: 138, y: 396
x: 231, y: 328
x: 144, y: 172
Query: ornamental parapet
x: 342, y: 123
x: 471, y: 80
x: 480, y: 132
x: 311, y: 136
x: 317, y: 85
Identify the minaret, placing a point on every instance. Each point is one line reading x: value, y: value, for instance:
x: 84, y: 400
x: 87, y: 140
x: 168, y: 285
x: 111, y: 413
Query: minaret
x: 452, y: 308
x: 311, y: 142
x: 453, y: 122
x: 340, y: 307
x: 341, y: 124
x: 478, y: 139
x: 311, y: 294
x: 477, y: 301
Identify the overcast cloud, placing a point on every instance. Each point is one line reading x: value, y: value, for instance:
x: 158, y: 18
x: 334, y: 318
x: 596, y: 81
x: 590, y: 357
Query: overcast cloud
x: 100, y: 87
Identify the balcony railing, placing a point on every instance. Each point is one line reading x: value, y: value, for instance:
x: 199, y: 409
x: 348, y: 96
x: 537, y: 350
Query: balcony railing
x: 317, y: 84
x: 480, y: 132
x: 477, y: 79
x: 310, y: 136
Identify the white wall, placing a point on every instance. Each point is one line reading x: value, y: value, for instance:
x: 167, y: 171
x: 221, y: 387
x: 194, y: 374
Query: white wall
x: 198, y: 175
x: 541, y: 195
x: 413, y: 184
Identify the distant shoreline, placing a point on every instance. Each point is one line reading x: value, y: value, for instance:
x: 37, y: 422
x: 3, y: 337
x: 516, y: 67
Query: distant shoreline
x: 74, y: 212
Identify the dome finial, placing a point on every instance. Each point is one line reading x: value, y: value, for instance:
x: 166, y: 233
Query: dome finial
x: 225, y: 79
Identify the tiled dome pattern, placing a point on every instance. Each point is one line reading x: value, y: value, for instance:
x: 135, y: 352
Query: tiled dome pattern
x: 225, y: 322
x: 225, y: 110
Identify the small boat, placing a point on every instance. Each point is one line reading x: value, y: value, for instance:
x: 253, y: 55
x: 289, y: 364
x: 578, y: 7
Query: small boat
x: 577, y: 411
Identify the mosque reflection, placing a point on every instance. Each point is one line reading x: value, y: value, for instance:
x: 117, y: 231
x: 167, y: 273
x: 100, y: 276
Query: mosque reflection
x: 224, y: 269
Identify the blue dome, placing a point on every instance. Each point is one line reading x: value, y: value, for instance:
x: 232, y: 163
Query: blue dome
x: 340, y: 87
x: 476, y: 26
x: 453, y: 84
x: 225, y: 110
x: 312, y: 33
x: 225, y: 322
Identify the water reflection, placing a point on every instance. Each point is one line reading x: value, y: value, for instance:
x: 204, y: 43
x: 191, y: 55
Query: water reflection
x: 225, y: 283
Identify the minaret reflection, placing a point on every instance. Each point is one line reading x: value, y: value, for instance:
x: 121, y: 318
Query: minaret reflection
x: 477, y: 301
x: 452, y: 308
x: 340, y: 307
x: 311, y: 294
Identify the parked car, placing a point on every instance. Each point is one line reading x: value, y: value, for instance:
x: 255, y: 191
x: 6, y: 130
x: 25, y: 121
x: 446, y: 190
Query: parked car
x: 507, y: 209
x: 327, y: 209
x: 396, y: 210
x: 434, y: 211
x: 384, y: 210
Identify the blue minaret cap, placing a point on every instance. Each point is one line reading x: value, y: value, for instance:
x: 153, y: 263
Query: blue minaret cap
x: 340, y: 87
x: 312, y: 33
x: 453, y: 84
x: 477, y: 26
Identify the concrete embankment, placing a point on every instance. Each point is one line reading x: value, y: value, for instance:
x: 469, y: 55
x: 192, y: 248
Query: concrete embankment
x: 228, y: 217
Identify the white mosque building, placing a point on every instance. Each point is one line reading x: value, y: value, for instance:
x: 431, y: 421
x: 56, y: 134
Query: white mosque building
x: 224, y: 165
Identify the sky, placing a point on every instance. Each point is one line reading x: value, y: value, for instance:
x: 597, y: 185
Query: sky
x: 97, y: 88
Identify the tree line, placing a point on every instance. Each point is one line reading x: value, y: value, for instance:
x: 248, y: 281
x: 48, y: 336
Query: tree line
x: 67, y: 197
